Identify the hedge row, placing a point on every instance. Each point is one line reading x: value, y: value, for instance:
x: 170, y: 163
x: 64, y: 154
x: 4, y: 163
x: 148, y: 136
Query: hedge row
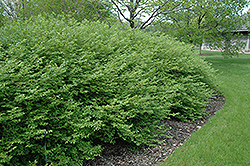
x: 82, y: 83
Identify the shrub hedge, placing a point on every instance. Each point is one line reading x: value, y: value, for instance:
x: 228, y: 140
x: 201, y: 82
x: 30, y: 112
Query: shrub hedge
x: 82, y: 83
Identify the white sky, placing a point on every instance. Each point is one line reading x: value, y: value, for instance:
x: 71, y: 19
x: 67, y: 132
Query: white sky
x: 246, y: 9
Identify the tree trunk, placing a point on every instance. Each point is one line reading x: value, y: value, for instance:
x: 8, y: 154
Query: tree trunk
x: 200, y: 48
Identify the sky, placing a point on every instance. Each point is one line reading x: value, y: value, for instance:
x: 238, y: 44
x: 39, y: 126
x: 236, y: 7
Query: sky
x: 246, y: 9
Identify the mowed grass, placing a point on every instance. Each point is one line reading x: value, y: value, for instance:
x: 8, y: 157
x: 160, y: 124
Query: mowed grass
x: 225, y: 139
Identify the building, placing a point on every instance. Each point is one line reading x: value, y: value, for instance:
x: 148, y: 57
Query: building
x: 244, y: 36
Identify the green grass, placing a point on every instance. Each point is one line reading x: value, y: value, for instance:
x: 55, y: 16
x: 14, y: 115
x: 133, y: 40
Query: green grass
x: 225, y: 139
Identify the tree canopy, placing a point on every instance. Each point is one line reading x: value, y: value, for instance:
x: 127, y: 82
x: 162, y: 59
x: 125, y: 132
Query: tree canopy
x: 78, y: 9
x: 208, y: 21
x: 142, y: 13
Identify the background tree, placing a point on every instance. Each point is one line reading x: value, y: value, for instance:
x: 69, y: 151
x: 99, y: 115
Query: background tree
x: 142, y: 13
x: 10, y: 7
x: 1, y: 15
x: 209, y: 21
x: 79, y: 9
x: 91, y: 10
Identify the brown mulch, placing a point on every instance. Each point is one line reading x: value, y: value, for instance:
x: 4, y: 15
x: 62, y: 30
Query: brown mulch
x: 119, y: 154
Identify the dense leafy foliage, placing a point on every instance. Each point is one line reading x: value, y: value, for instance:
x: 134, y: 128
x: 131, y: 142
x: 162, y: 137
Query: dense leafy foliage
x: 79, y: 10
x: 2, y: 19
x: 82, y: 83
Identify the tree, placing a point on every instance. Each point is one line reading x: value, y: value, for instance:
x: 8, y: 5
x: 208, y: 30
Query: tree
x: 142, y: 13
x: 209, y: 21
x: 91, y: 10
x: 1, y: 15
x: 79, y: 9
x: 10, y: 7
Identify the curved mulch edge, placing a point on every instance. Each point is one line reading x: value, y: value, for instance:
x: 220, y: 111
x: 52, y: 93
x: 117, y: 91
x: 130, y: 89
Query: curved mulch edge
x: 180, y: 132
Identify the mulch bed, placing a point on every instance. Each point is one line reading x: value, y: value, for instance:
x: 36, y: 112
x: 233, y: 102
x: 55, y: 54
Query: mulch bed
x: 180, y: 132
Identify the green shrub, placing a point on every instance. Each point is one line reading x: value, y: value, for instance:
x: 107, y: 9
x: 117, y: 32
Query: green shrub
x: 81, y: 83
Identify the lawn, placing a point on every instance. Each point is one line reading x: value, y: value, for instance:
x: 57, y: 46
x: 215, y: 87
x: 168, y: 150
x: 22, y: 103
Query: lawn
x: 225, y: 139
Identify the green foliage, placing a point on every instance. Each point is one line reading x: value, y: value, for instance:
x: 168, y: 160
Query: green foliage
x: 2, y: 19
x: 79, y: 10
x: 139, y: 14
x: 82, y: 83
x: 212, y: 22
